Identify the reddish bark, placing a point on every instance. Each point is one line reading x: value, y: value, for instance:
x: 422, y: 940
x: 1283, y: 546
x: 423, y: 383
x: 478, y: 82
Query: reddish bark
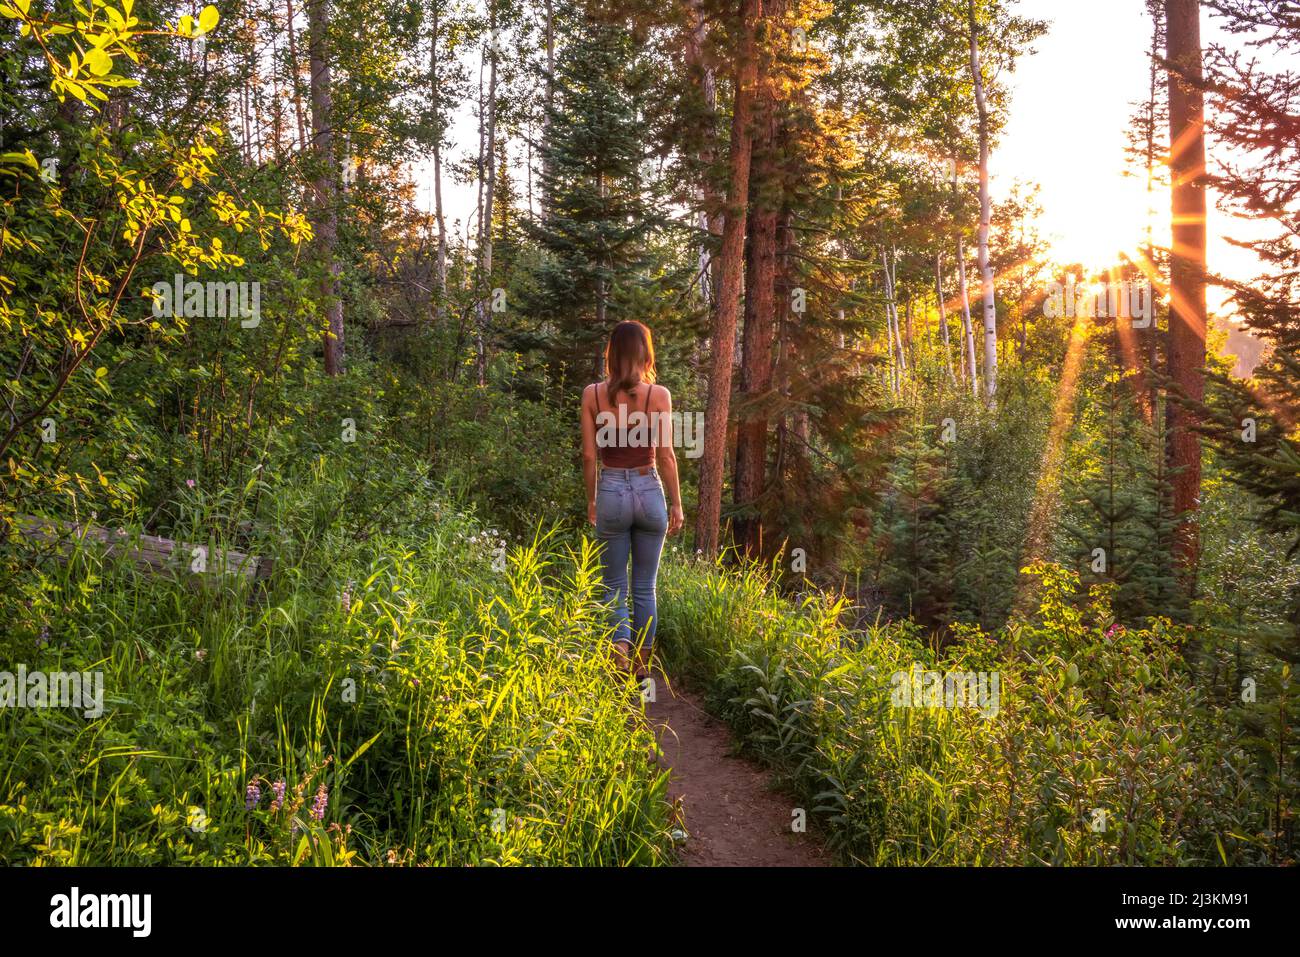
x: 727, y: 307
x: 1187, y: 312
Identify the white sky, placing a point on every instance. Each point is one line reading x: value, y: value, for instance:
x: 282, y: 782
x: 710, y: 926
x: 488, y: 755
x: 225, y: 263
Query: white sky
x: 1070, y: 103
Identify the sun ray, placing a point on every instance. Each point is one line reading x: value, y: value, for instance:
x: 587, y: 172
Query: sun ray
x: 1048, y: 491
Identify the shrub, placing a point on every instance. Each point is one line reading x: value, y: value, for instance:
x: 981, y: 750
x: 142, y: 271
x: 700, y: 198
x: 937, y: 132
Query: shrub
x: 1100, y: 749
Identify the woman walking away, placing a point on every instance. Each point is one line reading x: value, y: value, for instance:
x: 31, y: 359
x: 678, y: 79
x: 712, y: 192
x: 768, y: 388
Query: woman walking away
x: 627, y: 433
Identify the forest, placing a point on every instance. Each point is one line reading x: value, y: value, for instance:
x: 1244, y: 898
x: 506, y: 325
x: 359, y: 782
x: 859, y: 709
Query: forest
x: 990, y: 556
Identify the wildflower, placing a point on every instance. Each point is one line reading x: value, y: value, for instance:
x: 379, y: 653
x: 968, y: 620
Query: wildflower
x: 322, y: 799
x: 201, y: 654
x: 45, y: 636
x: 252, y: 796
x: 1115, y: 631
x: 190, y: 482
x: 277, y: 789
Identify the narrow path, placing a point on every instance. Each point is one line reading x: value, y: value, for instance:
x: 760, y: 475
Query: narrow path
x: 732, y: 816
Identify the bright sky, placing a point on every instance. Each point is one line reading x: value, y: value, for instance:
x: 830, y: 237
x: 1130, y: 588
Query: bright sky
x: 1070, y: 103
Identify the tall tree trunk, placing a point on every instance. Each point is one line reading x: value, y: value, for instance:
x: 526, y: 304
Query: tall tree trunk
x: 295, y: 87
x: 1154, y: 7
x: 986, y: 213
x: 943, y: 315
x: 760, y: 309
x: 277, y: 111
x: 247, y: 144
x: 435, y: 95
x: 255, y: 93
x: 325, y: 220
x: 968, y: 333
x: 911, y: 332
x: 1187, y: 313
x: 891, y: 322
x: 725, y: 310
x: 710, y: 215
x: 894, y: 376
x: 487, y: 174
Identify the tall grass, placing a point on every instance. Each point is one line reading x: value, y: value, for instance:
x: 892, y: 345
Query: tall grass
x: 1102, y: 750
x: 423, y: 696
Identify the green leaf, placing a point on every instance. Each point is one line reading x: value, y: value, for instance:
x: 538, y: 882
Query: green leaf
x: 26, y: 158
x: 361, y: 750
x: 98, y: 62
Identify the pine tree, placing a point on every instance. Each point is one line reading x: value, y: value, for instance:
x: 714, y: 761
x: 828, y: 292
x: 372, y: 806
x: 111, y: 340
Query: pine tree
x: 914, y: 531
x: 595, y: 258
x: 1122, y: 524
x: 1253, y: 423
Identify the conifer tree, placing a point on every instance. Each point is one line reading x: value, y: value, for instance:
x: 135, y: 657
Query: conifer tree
x: 594, y: 255
x: 915, y: 530
x: 1123, y: 525
x: 1253, y: 422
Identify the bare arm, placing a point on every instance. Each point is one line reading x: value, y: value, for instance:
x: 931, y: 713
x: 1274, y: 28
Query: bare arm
x: 666, y: 461
x: 588, y: 413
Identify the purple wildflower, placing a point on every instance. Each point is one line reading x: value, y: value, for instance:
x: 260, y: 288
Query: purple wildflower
x: 252, y: 796
x: 190, y: 482
x: 277, y: 789
x: 322, y: 799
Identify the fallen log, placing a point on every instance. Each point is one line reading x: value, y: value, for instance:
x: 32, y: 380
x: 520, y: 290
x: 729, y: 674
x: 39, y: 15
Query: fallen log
x: 150, y: 554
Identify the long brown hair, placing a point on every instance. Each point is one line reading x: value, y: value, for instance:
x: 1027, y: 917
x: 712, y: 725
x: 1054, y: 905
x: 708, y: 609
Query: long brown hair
x: 630, y: 346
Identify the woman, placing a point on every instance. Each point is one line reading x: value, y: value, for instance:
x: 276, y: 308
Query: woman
x: 626, y: 428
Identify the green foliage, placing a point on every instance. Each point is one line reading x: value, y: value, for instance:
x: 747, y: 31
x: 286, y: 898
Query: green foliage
x: 602, y: 254
x: 1121, y: 526
x: 915, y: 526
x: 442, y: 711
x: 952, y: 522
x: 1101, y: 749
x: 80, y: 254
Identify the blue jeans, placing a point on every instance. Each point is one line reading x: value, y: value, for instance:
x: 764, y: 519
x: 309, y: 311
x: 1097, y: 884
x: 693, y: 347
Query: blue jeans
x: 631, y: 520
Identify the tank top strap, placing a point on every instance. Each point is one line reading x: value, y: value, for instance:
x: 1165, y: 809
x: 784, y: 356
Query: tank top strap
x: 649, y: 389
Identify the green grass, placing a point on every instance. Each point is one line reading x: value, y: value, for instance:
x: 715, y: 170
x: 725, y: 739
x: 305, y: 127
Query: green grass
x: 1102, y: 750
x: 453, y: 711
x: 442, y: 698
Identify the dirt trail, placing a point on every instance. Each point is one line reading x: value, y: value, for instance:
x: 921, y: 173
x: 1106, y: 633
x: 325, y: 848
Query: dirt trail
x: 731, y: 814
